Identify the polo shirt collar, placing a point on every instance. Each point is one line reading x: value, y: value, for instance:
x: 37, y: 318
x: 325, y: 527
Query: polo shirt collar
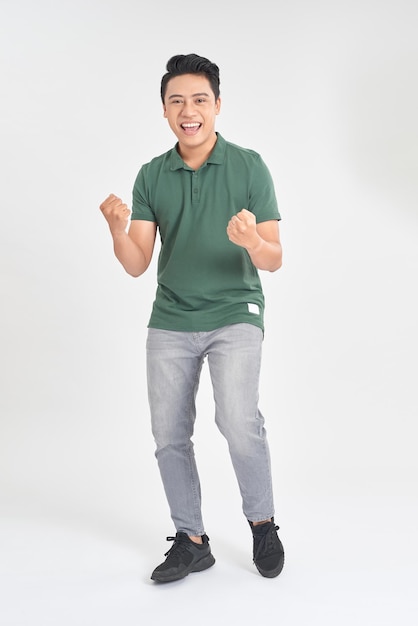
x: 217, y: 155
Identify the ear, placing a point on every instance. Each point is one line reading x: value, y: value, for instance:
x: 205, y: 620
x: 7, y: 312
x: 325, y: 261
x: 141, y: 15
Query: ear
x: 164, y: 110
x: 218, y: 106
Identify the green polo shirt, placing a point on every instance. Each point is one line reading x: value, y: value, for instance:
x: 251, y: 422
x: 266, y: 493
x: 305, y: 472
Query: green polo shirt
x: 204, y: 280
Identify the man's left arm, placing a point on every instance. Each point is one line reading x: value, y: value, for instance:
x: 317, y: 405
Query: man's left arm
x: 262, y: 241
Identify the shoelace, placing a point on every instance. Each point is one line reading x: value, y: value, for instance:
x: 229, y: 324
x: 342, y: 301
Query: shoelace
x: 178, y: 545
x: 265, y: 542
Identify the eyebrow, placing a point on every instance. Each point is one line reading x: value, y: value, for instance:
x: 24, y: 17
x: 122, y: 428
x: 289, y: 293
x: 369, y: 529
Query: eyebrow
x: 194, y: 95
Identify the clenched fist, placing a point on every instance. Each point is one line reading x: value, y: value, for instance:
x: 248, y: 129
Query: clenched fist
x: 242, y: 230
x: 116, y: 214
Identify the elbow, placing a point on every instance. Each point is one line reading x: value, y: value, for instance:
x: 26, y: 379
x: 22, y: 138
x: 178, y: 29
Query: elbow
x: 275, y: 268
x: 134, y: 273
x: 270, y: 267
x: 276, y: 259
x: 277, y: 265
x: 136, y: 269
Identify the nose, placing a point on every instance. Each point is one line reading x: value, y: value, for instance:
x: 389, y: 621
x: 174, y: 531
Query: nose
x: 188, y: 108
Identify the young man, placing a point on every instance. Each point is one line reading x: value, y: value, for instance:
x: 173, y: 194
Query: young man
x: 215, y: 208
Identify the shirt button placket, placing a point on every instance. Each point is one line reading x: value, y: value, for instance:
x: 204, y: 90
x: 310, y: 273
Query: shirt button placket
x: 195, y: 187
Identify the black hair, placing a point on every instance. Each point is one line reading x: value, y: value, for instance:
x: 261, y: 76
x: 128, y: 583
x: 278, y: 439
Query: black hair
x: 191, y: 64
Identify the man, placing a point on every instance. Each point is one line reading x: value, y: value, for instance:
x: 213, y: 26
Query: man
x: 215, y: 208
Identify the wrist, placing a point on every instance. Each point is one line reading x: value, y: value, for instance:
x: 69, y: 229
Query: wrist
x: 118, y: 233
x: 258, y: 244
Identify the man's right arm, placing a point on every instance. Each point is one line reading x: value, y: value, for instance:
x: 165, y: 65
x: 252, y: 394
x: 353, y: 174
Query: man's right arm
x: 133, y: 248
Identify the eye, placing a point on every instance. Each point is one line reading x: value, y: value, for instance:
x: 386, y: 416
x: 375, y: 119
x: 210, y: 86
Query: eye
x: 201, y: 100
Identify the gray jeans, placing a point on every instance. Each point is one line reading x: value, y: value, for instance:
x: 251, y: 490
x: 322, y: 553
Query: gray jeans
x: 174, y: 363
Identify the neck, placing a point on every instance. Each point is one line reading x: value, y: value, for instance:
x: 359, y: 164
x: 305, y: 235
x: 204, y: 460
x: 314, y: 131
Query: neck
x: 194, y: 157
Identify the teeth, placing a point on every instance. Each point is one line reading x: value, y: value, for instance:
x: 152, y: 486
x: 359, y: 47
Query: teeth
x: 195, y: 125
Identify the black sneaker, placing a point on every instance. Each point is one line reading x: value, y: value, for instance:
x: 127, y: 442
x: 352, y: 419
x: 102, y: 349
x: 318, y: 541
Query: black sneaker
x: 185, y: 556
x: 268, y: 550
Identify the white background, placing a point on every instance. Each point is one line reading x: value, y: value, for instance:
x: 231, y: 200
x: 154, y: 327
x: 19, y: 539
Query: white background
x: 327, y: 92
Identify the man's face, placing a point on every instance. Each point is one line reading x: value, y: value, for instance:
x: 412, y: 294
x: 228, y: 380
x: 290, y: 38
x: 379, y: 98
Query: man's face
x: 191, y: 109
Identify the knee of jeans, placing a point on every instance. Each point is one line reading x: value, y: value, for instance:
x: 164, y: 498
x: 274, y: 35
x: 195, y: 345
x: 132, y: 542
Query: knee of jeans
x: 245, y: 449
x: 166, y: 436
x: 243, y: 436
x: 176, y: 451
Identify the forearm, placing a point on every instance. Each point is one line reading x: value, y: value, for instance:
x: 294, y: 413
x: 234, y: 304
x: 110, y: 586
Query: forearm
x: 129, y: 254
x: 266, y: 255
x: 261, y: 241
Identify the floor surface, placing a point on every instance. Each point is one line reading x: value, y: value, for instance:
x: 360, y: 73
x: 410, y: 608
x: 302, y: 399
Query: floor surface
x: 349, y: 561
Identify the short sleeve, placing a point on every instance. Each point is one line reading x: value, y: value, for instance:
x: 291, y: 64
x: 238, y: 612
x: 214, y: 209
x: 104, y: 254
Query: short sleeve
x: 141, y: 209
x: 263, y: 201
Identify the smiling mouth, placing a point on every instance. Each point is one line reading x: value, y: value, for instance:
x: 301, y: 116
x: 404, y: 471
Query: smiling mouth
x: 191, y: 128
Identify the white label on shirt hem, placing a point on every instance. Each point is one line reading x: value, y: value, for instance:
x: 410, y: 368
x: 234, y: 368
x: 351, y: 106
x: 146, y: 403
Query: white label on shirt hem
x: 253, y: 308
